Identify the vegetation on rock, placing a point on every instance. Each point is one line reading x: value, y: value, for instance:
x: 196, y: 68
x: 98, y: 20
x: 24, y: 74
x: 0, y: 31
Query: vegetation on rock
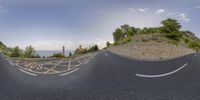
x: 170, y: 29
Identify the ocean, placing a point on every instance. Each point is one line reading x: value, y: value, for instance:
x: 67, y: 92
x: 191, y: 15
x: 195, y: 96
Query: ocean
x: 48, y: 53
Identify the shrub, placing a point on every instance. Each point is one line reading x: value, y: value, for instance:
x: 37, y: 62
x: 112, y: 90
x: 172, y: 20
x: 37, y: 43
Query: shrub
x: 58, y: 55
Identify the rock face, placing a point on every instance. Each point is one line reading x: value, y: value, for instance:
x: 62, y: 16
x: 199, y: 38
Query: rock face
x: 151, y: 47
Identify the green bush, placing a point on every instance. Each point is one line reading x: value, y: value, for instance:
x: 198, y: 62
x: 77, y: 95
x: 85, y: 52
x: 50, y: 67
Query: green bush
x: 30, y: 52
x: 126, y: 40
x: 81, y: 50
x: 16, y: 52
x: 171, y: 29
x: 58, y: 55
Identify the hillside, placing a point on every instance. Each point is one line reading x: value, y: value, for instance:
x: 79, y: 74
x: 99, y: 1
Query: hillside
x: 154, y: 43
x: 151, y: 47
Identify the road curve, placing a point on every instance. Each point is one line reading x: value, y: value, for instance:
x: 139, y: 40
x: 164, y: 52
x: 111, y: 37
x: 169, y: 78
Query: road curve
x: 107, y: 77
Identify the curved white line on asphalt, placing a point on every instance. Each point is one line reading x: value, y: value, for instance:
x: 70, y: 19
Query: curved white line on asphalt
x: 28, y: 72
x: 161, y: 75
x: 69, y: 72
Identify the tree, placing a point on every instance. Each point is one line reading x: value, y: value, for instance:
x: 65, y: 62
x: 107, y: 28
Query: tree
x: 93, y: 48
x: 171, y: 28
x: 124, y: 33
x: 117, y: 35
x: 16, y: 52
x: 108, y: 44
x: 30, y: 52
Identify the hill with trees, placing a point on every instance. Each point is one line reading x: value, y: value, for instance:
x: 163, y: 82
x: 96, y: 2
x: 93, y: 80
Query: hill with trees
x: 29, y: 52
x: 168, y: 34
x: 81, y: 50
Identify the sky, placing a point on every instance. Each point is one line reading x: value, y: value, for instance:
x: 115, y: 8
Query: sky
x: 51, y: 24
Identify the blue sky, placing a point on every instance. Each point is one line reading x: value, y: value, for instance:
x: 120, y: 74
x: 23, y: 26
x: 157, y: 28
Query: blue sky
x: 50, y: 24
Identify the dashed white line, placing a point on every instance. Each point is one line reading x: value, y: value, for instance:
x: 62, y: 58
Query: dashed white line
x: 161, y: 75
x: 69, y: 72
x: 28, y: 72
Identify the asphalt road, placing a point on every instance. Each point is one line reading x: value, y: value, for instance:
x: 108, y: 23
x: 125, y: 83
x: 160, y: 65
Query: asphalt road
x: 107, y: 77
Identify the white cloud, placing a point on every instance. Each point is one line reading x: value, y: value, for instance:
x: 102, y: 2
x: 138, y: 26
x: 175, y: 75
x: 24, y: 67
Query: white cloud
x: 132, y: 10
x: 160, y: 11
x: 143, y: 10
x: 184, y: 17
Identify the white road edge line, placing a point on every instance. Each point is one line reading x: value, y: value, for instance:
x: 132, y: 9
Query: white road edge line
x: 161, y: 75
x: 69, y: 72
x: 28, y: 72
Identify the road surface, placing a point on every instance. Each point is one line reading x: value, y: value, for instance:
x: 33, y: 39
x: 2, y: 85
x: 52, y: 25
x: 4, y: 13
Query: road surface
x: 107, y: 77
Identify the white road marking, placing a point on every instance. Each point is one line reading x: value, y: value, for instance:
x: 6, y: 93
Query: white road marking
x: 69, y: 64
x: 28, y: 72
x: 54, y: 66
x: 195, y: 54
x: 86, y: 62
x: 161, y: 75
x: 28, y: 64
x: 69, y: 72
x: 78, y: 60
x: 53, y: 71
x: 40, y: 66
x: 84, y: 58
x: 11, y: 63
x: 33, y: 65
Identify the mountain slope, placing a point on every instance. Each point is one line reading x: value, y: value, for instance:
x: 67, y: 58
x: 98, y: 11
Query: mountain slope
x: 151, y: 47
